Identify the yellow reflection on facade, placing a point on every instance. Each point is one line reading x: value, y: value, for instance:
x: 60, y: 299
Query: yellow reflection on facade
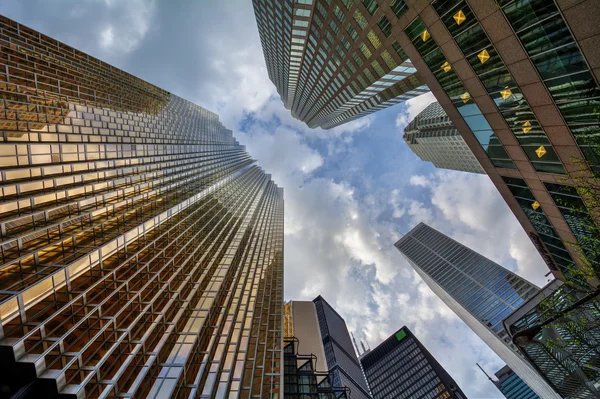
x: 459, y: 17
x: 483, y: 56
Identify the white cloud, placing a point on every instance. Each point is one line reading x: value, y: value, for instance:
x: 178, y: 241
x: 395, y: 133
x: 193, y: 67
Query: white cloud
x: 418, y: 180
x: 125, y: 33
x: 414, y: 107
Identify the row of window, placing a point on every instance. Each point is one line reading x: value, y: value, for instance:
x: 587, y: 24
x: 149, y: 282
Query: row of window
x: 452, y: 85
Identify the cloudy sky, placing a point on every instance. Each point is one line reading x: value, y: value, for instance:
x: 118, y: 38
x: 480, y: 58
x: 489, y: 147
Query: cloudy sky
x: 349, y: 192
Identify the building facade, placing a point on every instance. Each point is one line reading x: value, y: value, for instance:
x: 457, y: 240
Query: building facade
x: 511, y: 386
x: 481, y: 292
x: 558, y: 330
x: 333, y: 61
x: 302, y: 380
x: 339, y: 351
x: 401, y: 367
x: 433, y: 138
x: 142, y: 248
x: 519, y: 80
x: 301, y: 322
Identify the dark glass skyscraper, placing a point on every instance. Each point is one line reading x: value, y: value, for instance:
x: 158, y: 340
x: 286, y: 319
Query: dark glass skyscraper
x: 339, y: 351
x: 141, y: 247
x: 333, y: 61
x: 481, y: 292
x: 511, y: 386
x: 301, y: 378
x: 402, y: 368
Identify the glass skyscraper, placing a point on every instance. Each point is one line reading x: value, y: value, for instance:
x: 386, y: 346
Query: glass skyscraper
x: 339, y: 351
x: 481, y: 292
x: 333, y: 61
x: 520, y: 81
x: 141, y: 247
x: 401, y: 367
x: 433, y: 138
x: 511, y: 386
x: 306, y: 375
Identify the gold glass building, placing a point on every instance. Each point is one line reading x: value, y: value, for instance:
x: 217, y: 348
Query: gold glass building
x: 141, y: 247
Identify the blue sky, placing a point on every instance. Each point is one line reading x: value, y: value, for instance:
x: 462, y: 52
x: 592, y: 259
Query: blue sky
x: 349, y: 191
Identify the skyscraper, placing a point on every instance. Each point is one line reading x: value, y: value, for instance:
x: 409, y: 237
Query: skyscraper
x: 433, y: 138
x: 341, y: 356
x: 481, y: 292
x: 302, y: 380
x: 511, y: 386
x: 334, y: 61
x: 306, y: 374
x: 519, y: 79
x: 300, y: 321
x: 401, y: 367
x: 142, y: 248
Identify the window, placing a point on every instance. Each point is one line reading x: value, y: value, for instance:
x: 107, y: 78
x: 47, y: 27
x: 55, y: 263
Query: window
x: 371, y: 5
x: 398, y: 7
x: 385, y: 26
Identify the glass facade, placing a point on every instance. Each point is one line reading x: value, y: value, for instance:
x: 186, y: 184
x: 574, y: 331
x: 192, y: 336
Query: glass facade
x: 546, y: 38
x: 335, y: 60
x: 547, y: 239
x: 142, y: 248
x: 401, y: 367
x: 481, y: 54
x: 565, y: 350
x: 531, y: 83
x: 339, y: 351
x: 433, y: 137
x: 460, y: 97
x: 301, y: 381
x: 511, y: 386
x: 581, y: 223
x: 481, y: 292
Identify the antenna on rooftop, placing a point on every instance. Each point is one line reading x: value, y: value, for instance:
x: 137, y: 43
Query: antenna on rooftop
x: 355, y: 345
x: 486, y: 374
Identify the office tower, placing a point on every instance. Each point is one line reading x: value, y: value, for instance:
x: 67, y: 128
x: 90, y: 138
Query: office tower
x: 558, y: 330
x: 142, y: 248
x: 339, y: 352
x: 433, y: 138
x: 481, y: 292
x: 511, y: 386
x: 302, y: 381
x: 333, y: 61
x: 519, y: 80
x: 401, y: 367
x: 300, y: 321
x: 305, y: 368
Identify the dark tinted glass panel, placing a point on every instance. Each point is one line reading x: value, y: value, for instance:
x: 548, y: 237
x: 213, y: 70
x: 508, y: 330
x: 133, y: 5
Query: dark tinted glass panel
x: 548, y: 167
x: 459, y: 20
x: 490, y: 64
x: 503, y: 164
x: 523, y: 13
x: 573, y: 87
x: 471, y: 40
x: 560, y: 62
x: 497, y: 80
x: 581, y: 112
x: 549, y: 34
x: 398, y: 7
